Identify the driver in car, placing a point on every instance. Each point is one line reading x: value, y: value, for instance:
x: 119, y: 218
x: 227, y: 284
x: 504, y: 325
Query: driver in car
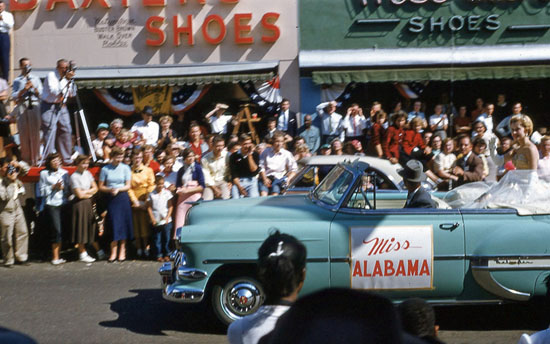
x: 413, y: 175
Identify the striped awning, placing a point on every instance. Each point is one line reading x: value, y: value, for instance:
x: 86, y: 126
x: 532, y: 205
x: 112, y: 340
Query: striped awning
x: 434, y: 73
x: 172, y: 75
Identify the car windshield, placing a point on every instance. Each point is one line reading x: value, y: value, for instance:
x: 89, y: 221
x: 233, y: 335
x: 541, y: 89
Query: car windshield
x: 334, y: 186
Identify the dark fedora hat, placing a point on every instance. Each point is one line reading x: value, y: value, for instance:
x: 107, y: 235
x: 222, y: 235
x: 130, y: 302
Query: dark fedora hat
x: 413, y: 171
x: 147, y: 110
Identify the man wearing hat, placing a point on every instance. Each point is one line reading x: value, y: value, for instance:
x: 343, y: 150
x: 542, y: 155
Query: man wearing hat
x: 413, y: 176
x: 218, y: 119
x: 146, y: 128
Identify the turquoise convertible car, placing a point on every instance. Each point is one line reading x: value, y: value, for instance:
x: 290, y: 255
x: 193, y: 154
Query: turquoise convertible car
x: 359, y: 239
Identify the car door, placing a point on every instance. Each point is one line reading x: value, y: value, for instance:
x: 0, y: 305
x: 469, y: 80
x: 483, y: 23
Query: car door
x: 398, y: 252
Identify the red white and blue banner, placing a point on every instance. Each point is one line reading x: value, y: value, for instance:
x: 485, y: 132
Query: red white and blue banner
x: 411, y: 90
x: 122, y: 101
x: 266, y: 95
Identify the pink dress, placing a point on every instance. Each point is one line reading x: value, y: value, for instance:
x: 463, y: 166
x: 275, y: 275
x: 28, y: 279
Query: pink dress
x: 182, y: 208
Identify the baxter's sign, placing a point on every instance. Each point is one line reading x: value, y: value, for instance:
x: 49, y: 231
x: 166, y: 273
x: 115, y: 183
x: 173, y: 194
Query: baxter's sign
x: 213, y: 28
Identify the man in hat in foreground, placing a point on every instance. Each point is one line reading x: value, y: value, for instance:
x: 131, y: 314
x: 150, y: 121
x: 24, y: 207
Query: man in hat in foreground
x: 413, y: 176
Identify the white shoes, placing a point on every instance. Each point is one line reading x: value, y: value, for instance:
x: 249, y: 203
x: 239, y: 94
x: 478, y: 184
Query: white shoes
x: 85, y: 258
x: 58, y: 261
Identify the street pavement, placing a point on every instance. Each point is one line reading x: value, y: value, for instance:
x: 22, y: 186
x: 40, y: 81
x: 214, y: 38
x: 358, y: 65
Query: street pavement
x: 122, y: 303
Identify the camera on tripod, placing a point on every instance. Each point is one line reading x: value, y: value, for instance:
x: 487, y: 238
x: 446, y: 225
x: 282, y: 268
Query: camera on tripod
x: 72, y: 66
x: 27, y: 70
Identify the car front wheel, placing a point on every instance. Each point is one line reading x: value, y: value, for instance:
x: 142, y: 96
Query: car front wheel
x: 236, y: 298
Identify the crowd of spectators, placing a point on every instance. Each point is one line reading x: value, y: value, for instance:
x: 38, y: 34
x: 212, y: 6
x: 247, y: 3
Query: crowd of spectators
x: 210, y: 162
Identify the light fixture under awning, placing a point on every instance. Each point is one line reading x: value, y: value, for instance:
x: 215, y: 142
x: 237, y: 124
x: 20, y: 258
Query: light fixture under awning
x: 434, y: 73
x: 171, y: 75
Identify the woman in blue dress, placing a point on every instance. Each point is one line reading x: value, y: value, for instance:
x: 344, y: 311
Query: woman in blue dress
x: 114, y: 182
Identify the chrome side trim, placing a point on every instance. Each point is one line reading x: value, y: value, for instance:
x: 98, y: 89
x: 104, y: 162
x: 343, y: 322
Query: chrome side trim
x: 450, y: 257
x: 465, y: 302
x: 482, y: 269
x: 255, y: 260
x: 229, y: 261
x: 340, y: 260
x: 439, y: 257
x: 509, y: 256
x: 182, y: 294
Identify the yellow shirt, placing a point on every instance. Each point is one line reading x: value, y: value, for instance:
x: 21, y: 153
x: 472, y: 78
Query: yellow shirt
x: 143, y: 182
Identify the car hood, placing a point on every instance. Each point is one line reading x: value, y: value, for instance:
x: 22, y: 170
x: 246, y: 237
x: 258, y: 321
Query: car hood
x: 259, y: 209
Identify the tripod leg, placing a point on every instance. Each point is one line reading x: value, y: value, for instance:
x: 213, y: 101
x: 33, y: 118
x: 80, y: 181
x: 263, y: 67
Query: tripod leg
x: 49, y: 128
x: 64, y: 132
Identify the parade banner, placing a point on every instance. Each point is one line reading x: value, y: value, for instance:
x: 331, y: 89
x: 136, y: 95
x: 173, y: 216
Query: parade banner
x: 391, y: 257
x: 158, y: 97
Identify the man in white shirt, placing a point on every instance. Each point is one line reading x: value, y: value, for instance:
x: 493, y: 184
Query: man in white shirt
x: 354, y: 123
x: 487, y: 117
x: 147, y: 129
x: 214, y: 167
x: 331, y: 127
x: 439, y: 122
x: 218, y: 119
x: 56, y: 122
x: 416, y: 112
x: 278, y: 166
x: 6, y: 24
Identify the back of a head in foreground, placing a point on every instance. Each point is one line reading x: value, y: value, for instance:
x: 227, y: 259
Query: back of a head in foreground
x: 417, y: 317
x: 339, y: 316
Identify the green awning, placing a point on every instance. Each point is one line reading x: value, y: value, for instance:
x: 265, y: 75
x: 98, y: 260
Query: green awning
x: 433, y: 73
x: 174, y: 80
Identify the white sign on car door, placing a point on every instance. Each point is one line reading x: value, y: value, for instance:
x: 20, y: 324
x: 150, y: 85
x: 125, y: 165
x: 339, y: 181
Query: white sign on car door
x: 391, y: 257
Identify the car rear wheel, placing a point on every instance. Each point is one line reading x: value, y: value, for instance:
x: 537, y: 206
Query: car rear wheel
x: 236, y: 298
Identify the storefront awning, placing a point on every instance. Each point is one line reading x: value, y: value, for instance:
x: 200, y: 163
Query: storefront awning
x: 434, y: 73
x: 172, y: 75
x: 412, y: 64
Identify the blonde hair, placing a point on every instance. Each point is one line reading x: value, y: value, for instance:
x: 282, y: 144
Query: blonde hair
x: 123, y: 133
x: 524, y: 121
x: 417, y: 121
x: 166, y: 118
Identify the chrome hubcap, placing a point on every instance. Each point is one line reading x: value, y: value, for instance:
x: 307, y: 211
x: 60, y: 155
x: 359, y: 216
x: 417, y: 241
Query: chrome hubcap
x: 242, y: 299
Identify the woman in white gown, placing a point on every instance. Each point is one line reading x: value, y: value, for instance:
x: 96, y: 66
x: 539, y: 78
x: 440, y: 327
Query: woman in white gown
x: 519, y: 188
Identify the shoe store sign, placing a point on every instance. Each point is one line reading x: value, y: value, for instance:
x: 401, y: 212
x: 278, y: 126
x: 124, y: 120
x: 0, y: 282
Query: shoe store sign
x: 181, y: 27
x: 361, y: 24
x: 457, y: 22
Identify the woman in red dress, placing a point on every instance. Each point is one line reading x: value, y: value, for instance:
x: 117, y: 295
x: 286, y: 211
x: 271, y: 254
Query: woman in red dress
x: 394, y: 137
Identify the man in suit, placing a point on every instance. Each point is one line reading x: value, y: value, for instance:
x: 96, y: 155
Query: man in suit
x: 286, y: 121
x: 413, y: 176
x: 468, y: 167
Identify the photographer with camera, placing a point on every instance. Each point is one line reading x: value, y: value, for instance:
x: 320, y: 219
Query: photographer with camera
x: 56, y: 122
x: 14, y: 232
x: 26, y: 91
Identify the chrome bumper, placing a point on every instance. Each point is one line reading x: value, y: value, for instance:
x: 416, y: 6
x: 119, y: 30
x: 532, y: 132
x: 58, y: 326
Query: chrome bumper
x: 173, y: 276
